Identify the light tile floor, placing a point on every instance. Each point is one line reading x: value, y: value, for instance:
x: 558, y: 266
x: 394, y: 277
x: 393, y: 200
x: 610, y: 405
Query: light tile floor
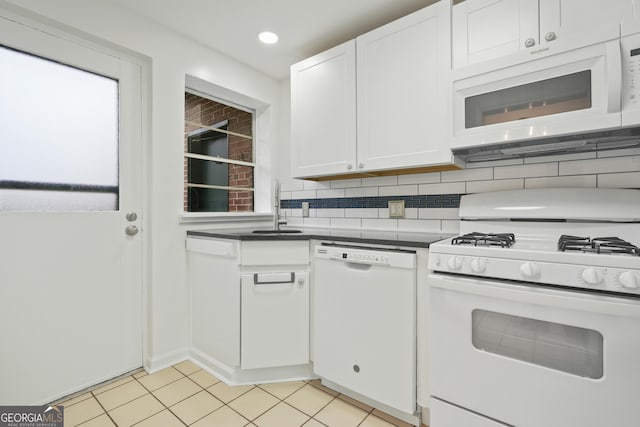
x: 185, y: 395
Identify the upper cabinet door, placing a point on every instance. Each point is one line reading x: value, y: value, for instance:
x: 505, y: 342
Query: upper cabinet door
x: 323, y: 113
x: 580, y: 19
x: 487, y: 29
x: 402, y: 78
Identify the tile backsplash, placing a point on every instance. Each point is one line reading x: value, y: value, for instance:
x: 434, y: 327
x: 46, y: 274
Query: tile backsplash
x: 432, y: 199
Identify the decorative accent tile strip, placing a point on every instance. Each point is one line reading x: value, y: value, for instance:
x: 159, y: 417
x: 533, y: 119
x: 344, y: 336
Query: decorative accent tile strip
x: 420, y: 201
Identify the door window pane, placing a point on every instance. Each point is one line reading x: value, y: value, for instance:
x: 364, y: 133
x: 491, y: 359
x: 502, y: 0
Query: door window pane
x: 570, y: 349
x: 58, y: 136
x: 542, y: 98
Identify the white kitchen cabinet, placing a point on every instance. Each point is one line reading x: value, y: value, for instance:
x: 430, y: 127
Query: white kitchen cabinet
x: 400, y: 118
x: 402, y: 70
x: 250, y: 308
x: 488, y: 29
x: 275, y: 319
x: 323, y: 113
x: 214, y: 273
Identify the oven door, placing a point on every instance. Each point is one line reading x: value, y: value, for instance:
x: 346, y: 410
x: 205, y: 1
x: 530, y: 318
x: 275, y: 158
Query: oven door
x: 533, y: 356
x: 570, y: 92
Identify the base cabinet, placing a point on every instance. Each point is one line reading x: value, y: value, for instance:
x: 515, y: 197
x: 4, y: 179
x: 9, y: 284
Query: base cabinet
x: 250, y: 309
x: 275, y: 319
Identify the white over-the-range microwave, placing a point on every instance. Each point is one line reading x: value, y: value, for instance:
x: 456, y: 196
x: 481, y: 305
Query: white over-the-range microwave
x: 575, y: 94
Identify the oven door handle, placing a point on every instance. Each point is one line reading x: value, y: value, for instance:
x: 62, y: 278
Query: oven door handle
x: 537, y: 294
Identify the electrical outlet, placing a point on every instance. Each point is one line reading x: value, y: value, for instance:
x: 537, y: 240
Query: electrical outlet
x: 305, y: 209
x: 396, y: 208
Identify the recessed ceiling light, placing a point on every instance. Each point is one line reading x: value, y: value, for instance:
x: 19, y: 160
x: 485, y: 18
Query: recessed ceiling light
x: 268, y: 37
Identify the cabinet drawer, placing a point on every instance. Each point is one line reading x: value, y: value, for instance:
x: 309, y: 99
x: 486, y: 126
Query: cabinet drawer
x: 288, y: 252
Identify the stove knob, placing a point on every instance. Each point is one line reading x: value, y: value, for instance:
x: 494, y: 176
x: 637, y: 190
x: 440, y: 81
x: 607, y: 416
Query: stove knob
x: 591, y: 276
x: 478, y: 265
x: 454, y: 263
x: 630, y: 280
x: 530, y: 269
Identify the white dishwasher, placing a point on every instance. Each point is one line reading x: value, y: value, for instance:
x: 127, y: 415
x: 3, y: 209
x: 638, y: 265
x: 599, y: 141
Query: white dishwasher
x: 365, y: 322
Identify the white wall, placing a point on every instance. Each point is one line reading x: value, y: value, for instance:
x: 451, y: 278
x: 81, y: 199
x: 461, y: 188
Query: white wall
x: 171, y: 57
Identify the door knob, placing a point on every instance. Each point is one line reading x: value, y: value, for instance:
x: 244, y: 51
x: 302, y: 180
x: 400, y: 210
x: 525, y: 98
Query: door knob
x: 131, y: 216
x: 131, y: 230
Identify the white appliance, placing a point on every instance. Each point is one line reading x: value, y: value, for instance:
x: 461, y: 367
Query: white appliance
x: 571, y: 89
x: 365, y: 323
x: 535, y: 311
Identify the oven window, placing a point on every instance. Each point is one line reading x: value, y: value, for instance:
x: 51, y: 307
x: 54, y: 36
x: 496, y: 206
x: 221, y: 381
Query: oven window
x: 542, y: 98
x: 565, y: 348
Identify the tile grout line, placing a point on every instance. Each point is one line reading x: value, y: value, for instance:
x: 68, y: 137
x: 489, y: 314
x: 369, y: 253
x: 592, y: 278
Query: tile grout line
x: 156, y: 398
x: 94, y: 396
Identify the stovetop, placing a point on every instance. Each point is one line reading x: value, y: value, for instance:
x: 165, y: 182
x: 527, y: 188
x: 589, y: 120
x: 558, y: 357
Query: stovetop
x: 567, y: 237
x: 565, y: 243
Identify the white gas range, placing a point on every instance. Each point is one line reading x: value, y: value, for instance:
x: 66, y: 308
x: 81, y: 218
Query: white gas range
x: 534, y: 311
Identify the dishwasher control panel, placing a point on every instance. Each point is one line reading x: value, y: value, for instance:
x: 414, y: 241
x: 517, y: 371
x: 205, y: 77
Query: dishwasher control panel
x: 366, y: 256
x: 362, y: 257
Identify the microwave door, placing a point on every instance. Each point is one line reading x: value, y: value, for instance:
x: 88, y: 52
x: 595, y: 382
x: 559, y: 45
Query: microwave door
x: 563, y: 94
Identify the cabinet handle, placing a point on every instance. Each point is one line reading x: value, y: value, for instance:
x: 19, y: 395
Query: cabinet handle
x: 349, y: 166
x: 550, y: 36
x: 361, y: 165
x: 529, y: 42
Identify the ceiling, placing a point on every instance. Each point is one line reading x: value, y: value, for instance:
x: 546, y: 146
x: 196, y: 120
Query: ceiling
x: 305, y: 27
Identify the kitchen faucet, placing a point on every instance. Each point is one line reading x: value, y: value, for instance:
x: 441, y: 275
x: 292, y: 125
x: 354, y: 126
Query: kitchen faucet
x: 277, y: 222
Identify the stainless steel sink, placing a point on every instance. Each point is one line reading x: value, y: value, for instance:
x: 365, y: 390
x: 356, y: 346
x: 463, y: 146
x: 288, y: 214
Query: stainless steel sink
x: 276, y: 231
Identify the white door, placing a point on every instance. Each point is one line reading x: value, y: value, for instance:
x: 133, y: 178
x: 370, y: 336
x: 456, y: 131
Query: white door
x: 275, y: 319
x: 70, y: 171
x: 562, y: 20
x: 487, y: 29
x: 403, y: 91
x: 323, y: 113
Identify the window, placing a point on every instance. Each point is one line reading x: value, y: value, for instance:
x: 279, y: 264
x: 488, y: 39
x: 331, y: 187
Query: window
x: 218, y: 156
x: 58, y: 136
x: 565, y: 348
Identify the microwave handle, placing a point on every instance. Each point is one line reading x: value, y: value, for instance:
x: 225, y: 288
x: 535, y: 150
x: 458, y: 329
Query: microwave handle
x: 614, y: 77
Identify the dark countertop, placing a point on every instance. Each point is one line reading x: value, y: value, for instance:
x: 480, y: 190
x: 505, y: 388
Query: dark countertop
x: 373, y: 237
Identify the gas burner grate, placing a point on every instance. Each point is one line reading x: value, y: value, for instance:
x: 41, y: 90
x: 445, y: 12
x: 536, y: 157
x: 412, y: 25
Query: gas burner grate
x: 503, y: 240
x: 600, y: 245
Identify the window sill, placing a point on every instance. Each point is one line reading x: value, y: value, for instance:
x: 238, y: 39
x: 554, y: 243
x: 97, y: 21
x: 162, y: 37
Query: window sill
x: 202, y: 217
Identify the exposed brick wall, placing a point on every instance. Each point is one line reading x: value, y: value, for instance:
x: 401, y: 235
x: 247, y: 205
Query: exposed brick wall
x: 207, y: 112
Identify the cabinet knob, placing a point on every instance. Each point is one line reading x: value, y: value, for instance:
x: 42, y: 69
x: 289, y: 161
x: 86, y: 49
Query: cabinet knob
x: 300, y: 282
x: 529, y: 42
x: 349, y: 166
x: 361, y: 165
x: 550, y: 36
